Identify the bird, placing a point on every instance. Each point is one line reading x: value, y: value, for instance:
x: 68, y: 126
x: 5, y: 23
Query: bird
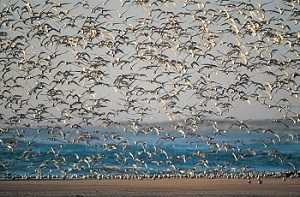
x: 160, y: 75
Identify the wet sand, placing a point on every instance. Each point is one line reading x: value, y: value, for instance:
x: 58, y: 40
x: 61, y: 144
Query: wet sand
x: 165, y: 187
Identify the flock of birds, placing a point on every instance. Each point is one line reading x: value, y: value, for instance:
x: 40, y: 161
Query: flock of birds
x: 72, y: 66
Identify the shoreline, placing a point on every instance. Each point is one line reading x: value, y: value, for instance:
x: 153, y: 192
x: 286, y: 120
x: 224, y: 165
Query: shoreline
x: 158, y: 187
x: 186, y: 175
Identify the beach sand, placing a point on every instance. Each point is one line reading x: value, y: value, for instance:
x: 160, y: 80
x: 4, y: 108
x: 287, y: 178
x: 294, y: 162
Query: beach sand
x: 164, y: 187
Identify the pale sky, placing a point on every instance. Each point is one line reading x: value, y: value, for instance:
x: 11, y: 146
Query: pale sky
x: 212, y: 42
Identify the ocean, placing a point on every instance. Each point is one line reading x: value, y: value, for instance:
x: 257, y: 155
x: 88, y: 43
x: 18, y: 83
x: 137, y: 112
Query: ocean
x: 45, y: 153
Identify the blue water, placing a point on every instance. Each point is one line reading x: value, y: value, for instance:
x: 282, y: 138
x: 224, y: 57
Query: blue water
x: 36, y: 152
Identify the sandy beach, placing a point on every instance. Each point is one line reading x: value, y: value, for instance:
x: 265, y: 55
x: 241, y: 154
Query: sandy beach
x: 165, y: 187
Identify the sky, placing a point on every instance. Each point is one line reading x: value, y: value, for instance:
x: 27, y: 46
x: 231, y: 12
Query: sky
x: 199, y: 59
